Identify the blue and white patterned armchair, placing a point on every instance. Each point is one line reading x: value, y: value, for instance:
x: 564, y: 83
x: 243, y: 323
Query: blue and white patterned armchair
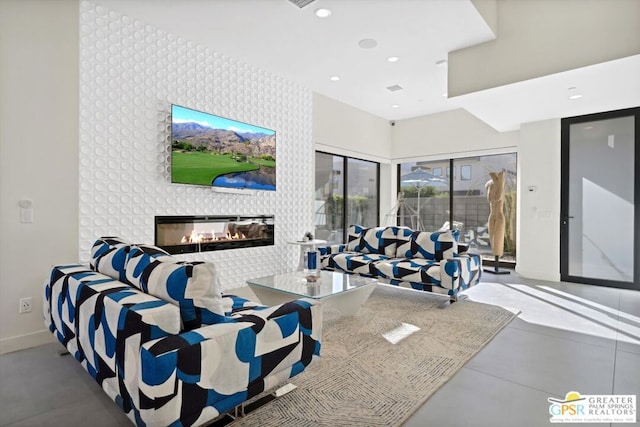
x: 164, y: 343
x: 398, y: 255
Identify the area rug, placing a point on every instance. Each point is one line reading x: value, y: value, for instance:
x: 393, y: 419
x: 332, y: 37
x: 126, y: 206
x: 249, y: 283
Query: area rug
x: 362, y: 379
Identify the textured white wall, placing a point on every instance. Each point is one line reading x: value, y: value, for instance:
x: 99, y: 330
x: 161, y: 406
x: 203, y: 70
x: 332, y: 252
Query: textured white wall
x: 130, y: 73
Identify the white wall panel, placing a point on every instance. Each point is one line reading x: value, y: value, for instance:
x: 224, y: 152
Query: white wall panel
x: 539, y: 38
x: 539, y: 210
x: 452, y: 133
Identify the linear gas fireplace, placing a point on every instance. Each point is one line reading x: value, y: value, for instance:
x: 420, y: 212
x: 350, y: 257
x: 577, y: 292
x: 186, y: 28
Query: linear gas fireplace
x: 186, y: 234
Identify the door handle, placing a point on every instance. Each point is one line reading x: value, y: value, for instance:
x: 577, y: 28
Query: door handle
x: 565, y: 219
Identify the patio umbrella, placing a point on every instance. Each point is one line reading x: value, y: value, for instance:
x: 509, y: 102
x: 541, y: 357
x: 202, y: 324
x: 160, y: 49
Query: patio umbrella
x: 421, y: 178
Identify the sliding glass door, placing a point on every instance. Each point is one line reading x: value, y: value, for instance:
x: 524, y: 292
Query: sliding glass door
x: 329, y: 197
x: 362, y: 193
x: 599, y: 224
x: 471, y: 207
x: 451, y: 194
x: 425, y: 187
x: 346, y: 192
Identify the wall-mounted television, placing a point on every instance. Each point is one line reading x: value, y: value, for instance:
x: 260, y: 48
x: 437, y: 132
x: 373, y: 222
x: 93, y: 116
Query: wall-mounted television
x: 215, y: 151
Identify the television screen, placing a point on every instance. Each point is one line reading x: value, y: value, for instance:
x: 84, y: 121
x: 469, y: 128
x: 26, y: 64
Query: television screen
x: 215, y: 151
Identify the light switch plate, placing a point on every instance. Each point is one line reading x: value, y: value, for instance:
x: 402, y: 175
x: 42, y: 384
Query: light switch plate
x: 26, y: 215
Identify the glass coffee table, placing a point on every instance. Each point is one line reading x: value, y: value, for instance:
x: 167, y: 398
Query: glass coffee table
x: 343, y: 292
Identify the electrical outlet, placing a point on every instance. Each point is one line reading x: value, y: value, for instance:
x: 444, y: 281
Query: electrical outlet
x: 25, y: 305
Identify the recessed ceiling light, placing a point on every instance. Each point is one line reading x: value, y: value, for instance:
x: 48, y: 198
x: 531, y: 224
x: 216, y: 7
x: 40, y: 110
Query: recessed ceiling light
x: 441, y: 62
x: 322, y: 12
x: 395, y: 106
x: 367, y: 43
x: 393, y: 59
x: 576, y: 96
x: 334, y: 78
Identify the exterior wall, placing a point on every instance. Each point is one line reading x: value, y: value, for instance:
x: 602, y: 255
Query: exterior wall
x: 477, y: 168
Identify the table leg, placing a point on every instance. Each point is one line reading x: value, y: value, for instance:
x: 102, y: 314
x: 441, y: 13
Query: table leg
x: 348, y: 303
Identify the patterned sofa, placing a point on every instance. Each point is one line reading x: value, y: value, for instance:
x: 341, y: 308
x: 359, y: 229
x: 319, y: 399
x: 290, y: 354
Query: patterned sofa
x: 429, y: 261
x: 164, y: 343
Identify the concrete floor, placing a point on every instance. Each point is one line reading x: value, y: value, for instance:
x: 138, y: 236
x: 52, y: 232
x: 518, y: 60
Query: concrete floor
x: 568, y: 337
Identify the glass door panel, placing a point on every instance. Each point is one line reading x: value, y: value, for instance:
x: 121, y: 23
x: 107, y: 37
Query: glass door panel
x: 329, y: 197
x: 471, y: 207
x: 346, y: 193
x: 425, y: 187
x: 598, y: 222
x: 362, y: 193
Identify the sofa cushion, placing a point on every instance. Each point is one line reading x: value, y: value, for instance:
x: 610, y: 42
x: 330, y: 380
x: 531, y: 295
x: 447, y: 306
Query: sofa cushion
x: 437, y: 246
x: 354, y: 233
x: 417, y: 270
x: 192, y: 286
x: 140, y: 256
x: 403, y: 242
x: 379, y: 240
x: 375, y: 240
x: 109, y: 256
x: 331, y: 249
x: 354, y: 262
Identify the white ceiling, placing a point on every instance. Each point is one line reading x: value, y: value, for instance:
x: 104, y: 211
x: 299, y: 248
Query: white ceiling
x: 279, y: 37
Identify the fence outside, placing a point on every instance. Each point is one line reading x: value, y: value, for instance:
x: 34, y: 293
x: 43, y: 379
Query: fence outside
x: 471, y: 216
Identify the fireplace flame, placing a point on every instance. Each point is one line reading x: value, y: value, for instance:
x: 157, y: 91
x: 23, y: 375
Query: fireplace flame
x: 235, y: 236
x: 196, y: 237
x: 213, y: 233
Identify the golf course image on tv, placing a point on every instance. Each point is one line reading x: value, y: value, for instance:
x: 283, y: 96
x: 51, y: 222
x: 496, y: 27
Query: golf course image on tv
x: 215, y: 151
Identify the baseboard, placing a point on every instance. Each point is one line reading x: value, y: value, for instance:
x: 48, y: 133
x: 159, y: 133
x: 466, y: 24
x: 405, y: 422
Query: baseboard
x: 538, y: 275
x: 34, y: 339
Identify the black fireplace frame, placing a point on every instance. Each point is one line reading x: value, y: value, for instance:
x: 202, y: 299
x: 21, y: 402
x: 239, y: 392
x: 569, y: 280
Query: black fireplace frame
x: 216, y: 245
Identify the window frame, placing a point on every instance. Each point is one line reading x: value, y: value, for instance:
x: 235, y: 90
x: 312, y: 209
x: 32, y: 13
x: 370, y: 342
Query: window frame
x: 462, y: 177
x: 345, y: 181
